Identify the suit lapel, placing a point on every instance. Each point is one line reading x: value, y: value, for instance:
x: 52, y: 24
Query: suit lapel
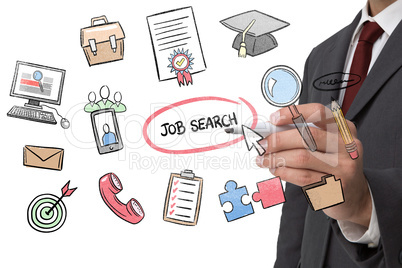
x: 387, y: 63
x: 333, y: 60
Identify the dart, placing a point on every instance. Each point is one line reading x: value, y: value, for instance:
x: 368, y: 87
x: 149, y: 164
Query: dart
x: 47, y: 212
x: 65, y: 193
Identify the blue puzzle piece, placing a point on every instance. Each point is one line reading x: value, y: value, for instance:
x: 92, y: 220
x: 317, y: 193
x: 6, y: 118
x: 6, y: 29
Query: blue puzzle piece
x: 234, y: 195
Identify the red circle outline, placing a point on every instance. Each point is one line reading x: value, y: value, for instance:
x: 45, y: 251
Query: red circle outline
x: 180, y: 69
x: 202, y: 149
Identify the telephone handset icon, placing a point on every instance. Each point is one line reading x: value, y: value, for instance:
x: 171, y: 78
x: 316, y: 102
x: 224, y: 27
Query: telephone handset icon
x: 109, y: 187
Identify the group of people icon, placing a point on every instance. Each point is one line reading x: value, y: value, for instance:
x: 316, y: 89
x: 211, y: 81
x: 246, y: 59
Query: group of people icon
x: 104, y: 103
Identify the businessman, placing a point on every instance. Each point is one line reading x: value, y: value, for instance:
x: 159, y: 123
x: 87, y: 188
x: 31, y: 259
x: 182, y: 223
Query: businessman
x: 365, y: 230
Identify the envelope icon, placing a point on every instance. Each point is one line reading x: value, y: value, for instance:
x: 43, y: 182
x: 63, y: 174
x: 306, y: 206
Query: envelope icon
x: 43, y: 157
x: 324, y: 194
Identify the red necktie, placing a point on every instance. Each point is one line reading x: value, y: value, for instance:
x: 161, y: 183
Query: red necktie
x: 361, y: 60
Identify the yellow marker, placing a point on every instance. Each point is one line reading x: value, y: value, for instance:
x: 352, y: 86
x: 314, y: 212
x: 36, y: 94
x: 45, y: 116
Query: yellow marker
x: 344, y: 130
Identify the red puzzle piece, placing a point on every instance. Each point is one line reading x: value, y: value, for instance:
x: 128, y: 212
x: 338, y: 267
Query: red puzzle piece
x: 270, y: 192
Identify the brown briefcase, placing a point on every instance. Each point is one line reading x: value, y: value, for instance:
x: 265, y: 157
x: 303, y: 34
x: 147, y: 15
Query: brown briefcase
x: 102, y: 42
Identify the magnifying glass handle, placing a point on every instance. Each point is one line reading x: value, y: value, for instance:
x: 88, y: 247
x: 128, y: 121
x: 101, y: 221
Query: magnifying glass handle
x: 303, y: 128
x: 41, y: 87
x: 294, y: 111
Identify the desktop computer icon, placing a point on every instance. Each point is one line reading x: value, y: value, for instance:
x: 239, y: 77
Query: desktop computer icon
x: 37, y: 83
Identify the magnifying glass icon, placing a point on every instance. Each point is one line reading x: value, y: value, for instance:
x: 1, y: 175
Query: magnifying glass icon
x: 37, y: 75
x: 281, y: 87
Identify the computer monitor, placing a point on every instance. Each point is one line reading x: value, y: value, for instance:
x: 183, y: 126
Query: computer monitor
x: 37, y: 83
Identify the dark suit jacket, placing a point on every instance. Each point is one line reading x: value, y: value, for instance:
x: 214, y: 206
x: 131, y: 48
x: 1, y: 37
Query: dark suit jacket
x: 311, y: 239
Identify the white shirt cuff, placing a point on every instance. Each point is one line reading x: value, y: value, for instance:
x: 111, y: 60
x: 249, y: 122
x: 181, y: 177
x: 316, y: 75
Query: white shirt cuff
x: 357, y: 233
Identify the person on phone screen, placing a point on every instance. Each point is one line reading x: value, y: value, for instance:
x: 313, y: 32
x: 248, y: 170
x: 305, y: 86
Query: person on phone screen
x: 108, y: 136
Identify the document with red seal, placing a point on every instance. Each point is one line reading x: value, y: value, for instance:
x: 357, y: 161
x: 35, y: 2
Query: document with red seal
x: 176, y: 45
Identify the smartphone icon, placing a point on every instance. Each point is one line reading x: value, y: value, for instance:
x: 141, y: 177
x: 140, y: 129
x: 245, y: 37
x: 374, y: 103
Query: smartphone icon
x: 106, y: 131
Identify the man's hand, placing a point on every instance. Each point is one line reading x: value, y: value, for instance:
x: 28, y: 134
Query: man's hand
x: 301, y: 167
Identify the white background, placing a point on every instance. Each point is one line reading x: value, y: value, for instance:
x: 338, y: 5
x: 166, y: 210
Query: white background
x: 48, y: 33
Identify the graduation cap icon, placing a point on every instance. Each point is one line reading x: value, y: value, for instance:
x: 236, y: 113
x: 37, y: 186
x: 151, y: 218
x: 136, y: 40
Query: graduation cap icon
x: 255, y: 30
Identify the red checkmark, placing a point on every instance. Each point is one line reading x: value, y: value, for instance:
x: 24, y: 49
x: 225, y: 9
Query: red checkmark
x: 176, y: 182
x: 171, y: 212
x: 174, y: 197
x: 172, y: 205
x: 175, y: 189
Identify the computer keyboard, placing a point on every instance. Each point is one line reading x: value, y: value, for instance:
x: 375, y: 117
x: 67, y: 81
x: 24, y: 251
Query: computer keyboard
x: 32, y: 114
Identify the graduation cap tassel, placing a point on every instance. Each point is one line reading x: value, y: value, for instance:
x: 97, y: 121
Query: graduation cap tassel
x: 242, y: 49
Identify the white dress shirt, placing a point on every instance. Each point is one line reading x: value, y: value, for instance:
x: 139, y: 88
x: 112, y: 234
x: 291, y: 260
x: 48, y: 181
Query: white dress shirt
x: 387, y: 19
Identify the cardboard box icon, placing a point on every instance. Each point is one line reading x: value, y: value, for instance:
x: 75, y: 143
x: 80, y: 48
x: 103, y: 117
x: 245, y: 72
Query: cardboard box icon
x: 324, y: 194
x: 102, y: 42
x: 43, y: 157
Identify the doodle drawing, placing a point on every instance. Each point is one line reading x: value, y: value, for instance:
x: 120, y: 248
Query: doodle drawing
x: 109, y: 187
x: 47, y: 213
x: 106, y: 131
x: 254, y: 28
x: 324, y: 194
x: 251, y: 137
x: 183, y: 198
x: 180, y: 63
x: 43, y: 157
x: 234, y: 196
x: 104, y: 102
x: 176, y: 45
x: 281, y: 87
x: 343, y: 127
x: 102, y: 42
x: 270, y: 192
x: 38, y: 84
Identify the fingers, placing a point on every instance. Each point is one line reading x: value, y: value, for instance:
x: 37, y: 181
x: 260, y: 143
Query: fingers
x: 299, y: 177
x: 291, y: 139
x: 288, y: 155
x: 314, y: 113
x: 352, y: 128
x: 301, y: 159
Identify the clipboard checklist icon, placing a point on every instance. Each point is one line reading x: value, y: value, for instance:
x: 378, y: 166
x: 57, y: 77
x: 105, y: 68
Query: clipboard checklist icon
x: 183, y: 198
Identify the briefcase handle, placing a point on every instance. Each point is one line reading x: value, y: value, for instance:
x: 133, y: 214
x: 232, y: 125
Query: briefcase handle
x: 98, y: 18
